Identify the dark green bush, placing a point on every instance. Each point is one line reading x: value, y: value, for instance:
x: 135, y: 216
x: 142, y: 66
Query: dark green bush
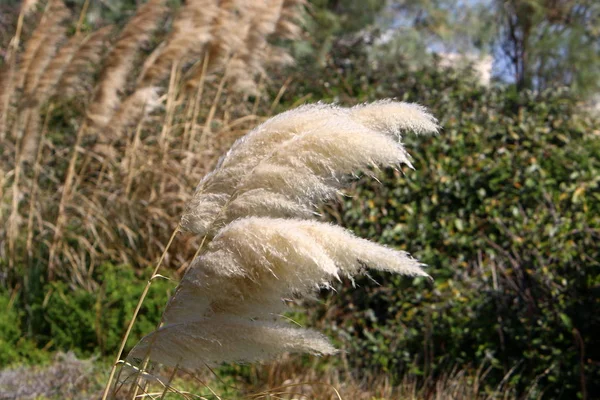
x: 15, y: 346
x: 504, y: 207
x: 87, y: 322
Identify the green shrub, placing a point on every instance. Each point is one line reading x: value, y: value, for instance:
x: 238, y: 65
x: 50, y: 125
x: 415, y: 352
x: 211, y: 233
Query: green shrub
x: 87, y: 322
x: 15, y: 347
x: 504, y: 207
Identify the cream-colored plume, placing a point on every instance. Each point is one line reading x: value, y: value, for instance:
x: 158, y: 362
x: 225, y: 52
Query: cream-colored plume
x: 254, y: 263
x: 43, y: 44
x: 77, y: 78
x: 142, y: 102
x: 395, y: 118
x: 55, y: 13
x: 254, y: 210
x: 247, y: 63
x: 191, y: 31
x: 211, y: 341
x: 301, y: 156
x: 121, y: 59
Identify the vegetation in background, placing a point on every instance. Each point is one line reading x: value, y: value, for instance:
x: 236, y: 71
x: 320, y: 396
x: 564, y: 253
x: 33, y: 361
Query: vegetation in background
x: 551, y: 43
x: 256, y: 214
x: 536, y: 44
x: 105, y: 134
x: 68, y: 319
x: 503, y: 206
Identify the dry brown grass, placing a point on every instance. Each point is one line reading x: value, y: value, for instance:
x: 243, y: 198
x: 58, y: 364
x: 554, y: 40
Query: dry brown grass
x: 67, y: 377
x: 290, y: 379
x: 98, y: 169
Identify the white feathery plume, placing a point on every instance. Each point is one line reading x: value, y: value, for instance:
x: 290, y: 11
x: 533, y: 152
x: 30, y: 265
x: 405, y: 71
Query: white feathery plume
x: 226, y: 305
x: 209, y: 342
x: 217, y: 187
x: 335, y: 150
x: 254, y: 263
x: 395, y: 118
x: 306, y: 151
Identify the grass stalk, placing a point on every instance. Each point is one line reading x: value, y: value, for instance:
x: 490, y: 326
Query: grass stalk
x: 14, y: 211
x: 37, y: 166
x: 280, y: 94
x: 196, y: 112
x: 135, y: 313
x: 206, y: 129
x: 60, y: 219
x: 164, y: 142
x: 168, y: 385
x: 12, y: 64
x: 261, y: 82
x: 132, y: 155
x: 82, y: 14
x: 193, y: 107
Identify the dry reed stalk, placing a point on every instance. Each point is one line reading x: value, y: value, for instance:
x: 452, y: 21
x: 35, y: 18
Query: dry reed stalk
x: 60, y: 219
x: 120, y: 61
x: 14, y: 213
x: 29, y: 141
x: 7, y: 74
x: 280, y: 94
x: 190, y: 33
x: 167, y: 124
x: 75, y: 78
x: 248, y: 60
x: 206, y: 129
x: 191, y: 127
x: 6, y: 90
x: 259, y: 87
x: 82, y: 15
x: 228, y: 32
x: 131, y: 156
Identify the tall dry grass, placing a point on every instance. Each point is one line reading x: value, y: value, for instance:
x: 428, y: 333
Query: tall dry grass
x: 87, y: 174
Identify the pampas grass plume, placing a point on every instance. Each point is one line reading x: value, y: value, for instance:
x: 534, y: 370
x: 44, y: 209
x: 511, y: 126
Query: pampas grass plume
x: 254, y: 263
x: 210, y: 342
x: 305, y: 152
x: 255, y: 210
x: 120, y: 61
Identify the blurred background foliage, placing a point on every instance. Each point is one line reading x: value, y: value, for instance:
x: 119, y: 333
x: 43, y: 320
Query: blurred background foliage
x: 503, y: 206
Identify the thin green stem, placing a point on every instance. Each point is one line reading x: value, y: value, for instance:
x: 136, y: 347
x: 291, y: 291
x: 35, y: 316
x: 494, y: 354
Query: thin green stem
x: 135, y: 313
